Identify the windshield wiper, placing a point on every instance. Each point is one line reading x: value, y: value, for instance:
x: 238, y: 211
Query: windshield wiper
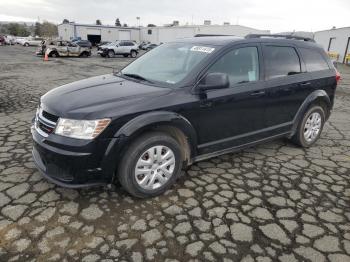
x: 136, y: 76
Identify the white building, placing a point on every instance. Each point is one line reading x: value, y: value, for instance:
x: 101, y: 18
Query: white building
x: 156, y: 35
x: 335, y: 41
x: 97, y: 33
x: 161, y: 34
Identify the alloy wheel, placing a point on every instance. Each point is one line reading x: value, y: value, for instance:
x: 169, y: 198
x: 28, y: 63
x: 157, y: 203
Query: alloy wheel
x: 312, y: 127
x: 155, y: 167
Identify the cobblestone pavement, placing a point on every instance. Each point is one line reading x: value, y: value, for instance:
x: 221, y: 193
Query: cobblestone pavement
x: 274, y: 202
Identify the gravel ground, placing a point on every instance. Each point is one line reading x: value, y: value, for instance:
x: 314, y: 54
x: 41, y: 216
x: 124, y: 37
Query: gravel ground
x: 274, y: 202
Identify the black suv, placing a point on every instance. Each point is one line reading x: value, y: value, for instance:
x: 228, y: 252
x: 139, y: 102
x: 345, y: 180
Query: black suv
x: 182, y: 102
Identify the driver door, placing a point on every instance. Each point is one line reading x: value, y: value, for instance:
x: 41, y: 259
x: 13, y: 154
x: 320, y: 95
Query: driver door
x: 233, y: 116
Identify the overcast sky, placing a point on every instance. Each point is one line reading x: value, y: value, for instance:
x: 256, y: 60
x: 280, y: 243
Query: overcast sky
x: 274, y: 15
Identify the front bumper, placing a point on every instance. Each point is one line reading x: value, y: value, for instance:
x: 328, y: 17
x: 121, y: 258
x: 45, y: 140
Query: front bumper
x: 102, y: 52
x: 74, y: 163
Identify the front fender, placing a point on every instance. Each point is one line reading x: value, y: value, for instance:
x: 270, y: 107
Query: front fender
x: 139, y: 124
x: 314, y: 97
x: 159, y: 118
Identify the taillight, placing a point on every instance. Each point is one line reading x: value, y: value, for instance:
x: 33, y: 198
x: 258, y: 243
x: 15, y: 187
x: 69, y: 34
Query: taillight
x: 337, y: 76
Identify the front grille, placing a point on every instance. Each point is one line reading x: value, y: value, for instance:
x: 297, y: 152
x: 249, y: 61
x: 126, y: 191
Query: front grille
x: 50, y: 117
x: 45, y: 122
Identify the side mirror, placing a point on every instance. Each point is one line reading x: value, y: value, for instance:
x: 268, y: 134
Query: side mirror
x: 213, y: 81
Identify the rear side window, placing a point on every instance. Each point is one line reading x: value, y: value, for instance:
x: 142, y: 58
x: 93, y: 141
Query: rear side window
x: 314, y: 61
x: 280, y: 61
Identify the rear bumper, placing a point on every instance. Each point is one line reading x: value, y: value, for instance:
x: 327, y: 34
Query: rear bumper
x: 74, y: 163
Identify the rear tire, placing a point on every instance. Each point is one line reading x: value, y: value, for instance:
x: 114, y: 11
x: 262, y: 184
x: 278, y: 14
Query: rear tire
x: 26, y: 44
x: 310, y: 127
x: 150, y: 165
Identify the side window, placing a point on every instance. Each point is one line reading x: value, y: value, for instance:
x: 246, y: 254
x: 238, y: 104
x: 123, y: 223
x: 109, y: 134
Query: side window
x: 280, y: 61
x: 241, y: 65
x: 314, y: 61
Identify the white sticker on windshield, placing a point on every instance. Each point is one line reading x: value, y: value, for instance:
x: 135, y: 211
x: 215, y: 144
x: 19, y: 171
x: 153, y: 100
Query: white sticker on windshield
x: 203, y: 49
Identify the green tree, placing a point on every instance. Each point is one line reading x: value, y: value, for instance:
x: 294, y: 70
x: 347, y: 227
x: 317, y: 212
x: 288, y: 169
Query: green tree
x: 98, y: 22
x: 151, y: 25
x: 17, y: 29
x: 117, y: 22
x: 65, y: 21
x: 48, y: 29
x: 37, y: 29
x: 125, y: 25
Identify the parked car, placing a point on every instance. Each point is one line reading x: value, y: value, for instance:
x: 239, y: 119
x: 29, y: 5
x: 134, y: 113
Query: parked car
x: 180, y: 103
x: 20, y: 40
x: 151, y: 46
x: 101, y: 45
x: 83, y: 43
x: 2, y: 40
x: 125, y: 48
x: 143, y: 43
x: 35, y: 41
x: 65, y: 48
x: 10, y: 40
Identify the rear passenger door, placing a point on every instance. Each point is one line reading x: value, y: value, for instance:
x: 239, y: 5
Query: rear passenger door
x: 285, y: 86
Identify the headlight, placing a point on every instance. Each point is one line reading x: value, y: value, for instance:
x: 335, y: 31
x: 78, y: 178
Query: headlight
x: 81, y: 129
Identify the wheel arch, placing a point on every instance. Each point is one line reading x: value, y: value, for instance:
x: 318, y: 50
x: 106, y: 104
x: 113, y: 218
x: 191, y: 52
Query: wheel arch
x: 318, y: 97
x: 171, y: 123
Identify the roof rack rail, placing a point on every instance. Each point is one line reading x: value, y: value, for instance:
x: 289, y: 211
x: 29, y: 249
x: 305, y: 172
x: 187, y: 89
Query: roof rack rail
x: 204, y: 35
x: 294, y: 37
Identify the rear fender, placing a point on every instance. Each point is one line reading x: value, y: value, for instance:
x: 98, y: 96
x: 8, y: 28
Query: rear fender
x: 318, y: 96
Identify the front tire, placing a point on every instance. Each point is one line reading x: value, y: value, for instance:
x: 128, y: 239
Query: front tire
x: 150, y: 165
x: 133, y: 53
x: 110, y: 53
x: 310, y: 127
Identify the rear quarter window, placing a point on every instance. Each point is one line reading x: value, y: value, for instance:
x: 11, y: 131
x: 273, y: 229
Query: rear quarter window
x: 280, y: 61
x: 313, y: 59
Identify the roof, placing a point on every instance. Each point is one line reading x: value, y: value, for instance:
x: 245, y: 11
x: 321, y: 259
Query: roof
x: 225, y: 40
x: 333, y: 29
x: 103, y: 26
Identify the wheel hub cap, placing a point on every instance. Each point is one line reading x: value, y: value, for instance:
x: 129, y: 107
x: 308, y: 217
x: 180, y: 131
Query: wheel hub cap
x: 312, y: 127
x: 155, y: 167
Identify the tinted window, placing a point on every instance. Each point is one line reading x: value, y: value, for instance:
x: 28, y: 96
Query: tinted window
x: 241, y: 65
x: 121, y: 44
x: 280, y: 61
x: 313, y: 60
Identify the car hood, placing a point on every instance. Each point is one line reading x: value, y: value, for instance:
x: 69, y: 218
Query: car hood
x: 96, y: 97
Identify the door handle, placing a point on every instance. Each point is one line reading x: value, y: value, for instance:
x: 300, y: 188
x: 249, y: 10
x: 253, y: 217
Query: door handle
x: 305, y: 84
x: 257, y: 93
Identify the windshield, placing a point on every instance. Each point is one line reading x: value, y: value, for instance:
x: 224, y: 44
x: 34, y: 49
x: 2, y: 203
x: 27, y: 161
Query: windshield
x: 169, y: 63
